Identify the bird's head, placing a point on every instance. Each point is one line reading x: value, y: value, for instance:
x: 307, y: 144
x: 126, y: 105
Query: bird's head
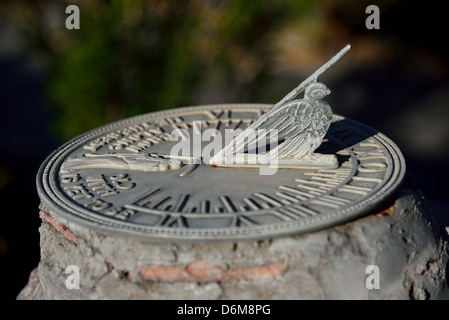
x: 316, y: 91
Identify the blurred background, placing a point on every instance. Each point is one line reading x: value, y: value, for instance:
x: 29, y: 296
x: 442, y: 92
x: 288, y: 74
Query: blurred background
x: 133, y: 57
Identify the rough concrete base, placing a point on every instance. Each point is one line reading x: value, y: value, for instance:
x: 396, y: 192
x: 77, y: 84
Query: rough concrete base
x: 403, y: 240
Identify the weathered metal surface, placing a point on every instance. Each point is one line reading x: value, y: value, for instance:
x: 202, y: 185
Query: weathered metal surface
x: 99, y: 180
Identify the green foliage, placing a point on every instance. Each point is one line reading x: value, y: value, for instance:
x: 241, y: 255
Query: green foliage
x: 132, y: 57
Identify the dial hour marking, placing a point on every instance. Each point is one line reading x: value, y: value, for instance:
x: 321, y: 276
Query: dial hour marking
x: 205, y: 206
x: 168, y: 220
x: 144, y: 202
x: 268, y: 199
x: 301, y: 195
x: 252, y: 204
x: 287, y: 196
x: 241, y: 220
x: 355, y: 189
x: 228, y: 203
x: 181, y: 203
x: 159, y: 203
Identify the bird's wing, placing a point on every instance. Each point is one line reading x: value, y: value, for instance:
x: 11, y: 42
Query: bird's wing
x: 289, y: 120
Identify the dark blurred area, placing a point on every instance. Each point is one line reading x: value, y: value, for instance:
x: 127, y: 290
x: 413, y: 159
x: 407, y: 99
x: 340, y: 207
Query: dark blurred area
x: 133, y: 57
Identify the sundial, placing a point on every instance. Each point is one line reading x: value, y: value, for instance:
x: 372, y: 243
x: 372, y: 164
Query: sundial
x: 224, y: 172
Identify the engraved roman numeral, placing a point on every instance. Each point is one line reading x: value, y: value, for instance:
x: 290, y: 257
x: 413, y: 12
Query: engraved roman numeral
x: 252, y: 204
x: 214, y: 115
x: 325, y: 204
x: 294, y: 212
x: 320, y: 174
x: 152, y: 201
x: 175, y: 123
x: 331, y: 201
x: 332, y: 182
x: 171, y: 221
x: 228, y: 203
x: 367, y: 179
x: 301, y: 195
x: 343, y: 170
x: 287, y: 197
x: 205, y: 206
x: 336, y: 200
x: 310, y: 190
x: 160, y: 202
x: 289, y: 214
x: 237, y: 124
x: 331, y: 179
x: 145, y: 201
x: 355, y: 189
x: 320, y: 185
x: 270, y: 200
x: 241, y: 220
x: 181, y: 203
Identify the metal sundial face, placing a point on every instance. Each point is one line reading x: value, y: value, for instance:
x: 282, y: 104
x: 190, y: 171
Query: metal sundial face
x: 117, y: 179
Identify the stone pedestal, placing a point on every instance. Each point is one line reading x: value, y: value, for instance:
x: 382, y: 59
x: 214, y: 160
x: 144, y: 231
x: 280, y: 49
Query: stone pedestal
x: 402, y: 240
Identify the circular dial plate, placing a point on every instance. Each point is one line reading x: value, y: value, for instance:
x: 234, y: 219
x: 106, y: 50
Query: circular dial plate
x: 100, y: 180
